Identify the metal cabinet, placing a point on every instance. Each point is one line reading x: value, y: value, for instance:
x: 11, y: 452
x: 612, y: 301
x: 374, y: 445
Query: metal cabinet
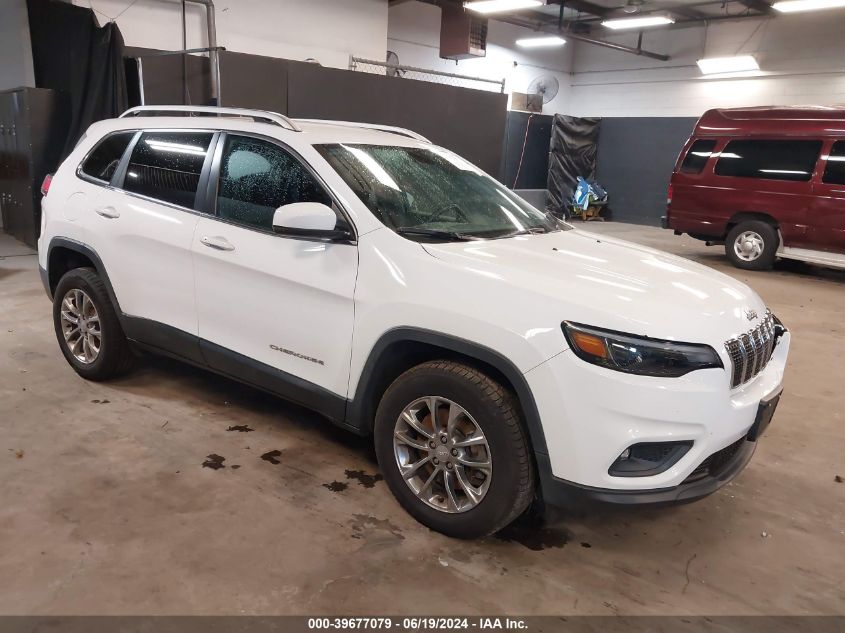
x: 33, y: 132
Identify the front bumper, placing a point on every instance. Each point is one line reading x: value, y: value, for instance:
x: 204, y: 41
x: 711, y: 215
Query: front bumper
x: 590, y: 415
x: 566, y: 493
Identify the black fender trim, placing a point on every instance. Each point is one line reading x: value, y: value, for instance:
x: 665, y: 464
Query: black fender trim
x: 357, y: 415
x: 45, y: 281
x: 267, y: 378
x: 88, y: 252
x: 160, y: 338
x: 163, y: 339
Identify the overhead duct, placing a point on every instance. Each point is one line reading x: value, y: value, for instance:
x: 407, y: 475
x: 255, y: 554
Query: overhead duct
x: 455, y: 7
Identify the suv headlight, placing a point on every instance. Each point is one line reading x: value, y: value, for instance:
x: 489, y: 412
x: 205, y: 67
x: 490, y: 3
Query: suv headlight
x: 638, y: 354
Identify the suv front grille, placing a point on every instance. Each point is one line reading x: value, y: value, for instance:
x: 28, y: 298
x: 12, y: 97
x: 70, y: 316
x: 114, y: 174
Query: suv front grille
x: 750, y: 352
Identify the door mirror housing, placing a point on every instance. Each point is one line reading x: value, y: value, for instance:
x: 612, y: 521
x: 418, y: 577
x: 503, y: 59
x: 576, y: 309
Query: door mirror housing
x: 310, y: 220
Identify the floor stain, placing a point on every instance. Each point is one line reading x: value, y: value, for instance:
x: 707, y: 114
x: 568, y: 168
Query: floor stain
x: 272, y: 457
x: 364, y: 479
x: 371, y: 529
x: 235, y: 466
x: 534, y: 536
x: 101, y: 401
x: 461, y: 555
x: 240, y: 428
x: 215, y: 462
x: 336, y: 486
x: 585, y: 544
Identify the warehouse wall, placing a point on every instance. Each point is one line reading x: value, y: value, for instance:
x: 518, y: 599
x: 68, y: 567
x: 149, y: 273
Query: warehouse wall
x: 328, y: 31
x: 414, y: 34
x: 15, y: 49
x: 801, y: 55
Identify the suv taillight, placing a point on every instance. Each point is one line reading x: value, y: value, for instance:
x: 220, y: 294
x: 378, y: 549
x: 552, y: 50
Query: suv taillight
x: 669, y: 194
x: 45, y: 186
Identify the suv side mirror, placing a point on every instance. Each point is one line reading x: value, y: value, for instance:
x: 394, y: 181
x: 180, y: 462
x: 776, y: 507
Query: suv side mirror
x: 311, y: 220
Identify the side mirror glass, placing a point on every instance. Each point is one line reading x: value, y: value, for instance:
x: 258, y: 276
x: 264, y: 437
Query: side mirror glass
x: 309, y: 220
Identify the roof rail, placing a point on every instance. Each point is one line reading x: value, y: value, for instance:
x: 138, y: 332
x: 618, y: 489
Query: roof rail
x: 370, y: 126
x: 263, y: 116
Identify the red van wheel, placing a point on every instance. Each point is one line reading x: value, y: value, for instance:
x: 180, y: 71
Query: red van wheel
x: 752, y: 245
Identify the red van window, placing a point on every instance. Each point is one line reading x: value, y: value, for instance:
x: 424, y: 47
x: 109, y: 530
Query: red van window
x: 834, y: 172
x: 697, y: 156
x: 773, y: 160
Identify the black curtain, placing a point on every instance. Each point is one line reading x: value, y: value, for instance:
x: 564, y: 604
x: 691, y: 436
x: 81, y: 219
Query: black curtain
x: 572, y: 153
x: 73, y: 55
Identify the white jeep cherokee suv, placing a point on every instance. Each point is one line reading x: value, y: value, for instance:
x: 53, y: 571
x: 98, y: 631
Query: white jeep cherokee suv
x: 494, y: 353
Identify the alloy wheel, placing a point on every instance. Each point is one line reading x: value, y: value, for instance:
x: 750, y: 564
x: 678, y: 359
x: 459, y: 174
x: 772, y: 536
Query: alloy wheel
x: 81, y: 326
x: 442, y: 454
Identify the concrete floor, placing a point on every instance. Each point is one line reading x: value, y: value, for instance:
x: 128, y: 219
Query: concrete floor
x: 106, y: 506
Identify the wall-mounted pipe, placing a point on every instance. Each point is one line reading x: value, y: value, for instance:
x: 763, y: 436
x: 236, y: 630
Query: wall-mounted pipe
x: 213, y: 56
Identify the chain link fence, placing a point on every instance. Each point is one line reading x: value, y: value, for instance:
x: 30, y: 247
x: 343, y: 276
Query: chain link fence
x: 390, y: 69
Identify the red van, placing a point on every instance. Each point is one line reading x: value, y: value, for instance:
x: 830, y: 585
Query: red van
x: 766, y: 182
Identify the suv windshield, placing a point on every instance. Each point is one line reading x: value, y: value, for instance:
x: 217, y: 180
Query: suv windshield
x: 431, y: 194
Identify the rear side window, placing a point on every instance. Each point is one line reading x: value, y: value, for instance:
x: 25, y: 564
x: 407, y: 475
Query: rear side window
x: 697, y: 156
x: 834, y: 172
x: 103, y: 161
x: 257, y: 177
x: 167, y: 166
x: 773, y: 160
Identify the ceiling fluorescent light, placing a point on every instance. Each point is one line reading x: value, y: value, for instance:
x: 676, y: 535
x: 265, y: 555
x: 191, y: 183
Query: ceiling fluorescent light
x: 537, y: 42
x: 637, y: 23
x: 793, y: 6
x: 740, y: 75
x: 495, y: 6
x: 739, y: 63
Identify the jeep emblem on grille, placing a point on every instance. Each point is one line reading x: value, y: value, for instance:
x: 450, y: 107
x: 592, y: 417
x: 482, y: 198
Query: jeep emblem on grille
x: 750, y: 314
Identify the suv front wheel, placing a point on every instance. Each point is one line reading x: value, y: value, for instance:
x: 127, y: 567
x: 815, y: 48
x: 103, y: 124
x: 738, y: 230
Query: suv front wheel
x: 453, y: 450
x: 87, y: 327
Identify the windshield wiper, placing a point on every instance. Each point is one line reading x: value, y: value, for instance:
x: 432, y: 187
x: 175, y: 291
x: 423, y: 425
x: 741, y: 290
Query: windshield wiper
x: 534, y: 230
x: 435, y: 233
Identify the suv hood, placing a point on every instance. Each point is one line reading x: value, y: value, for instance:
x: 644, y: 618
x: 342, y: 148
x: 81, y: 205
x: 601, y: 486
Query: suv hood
x: 614, y: 284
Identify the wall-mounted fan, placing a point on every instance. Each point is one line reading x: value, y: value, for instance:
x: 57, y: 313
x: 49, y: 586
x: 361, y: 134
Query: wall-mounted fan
x: 393, y: 69
x: 633, y: 6
x: 546, y: 86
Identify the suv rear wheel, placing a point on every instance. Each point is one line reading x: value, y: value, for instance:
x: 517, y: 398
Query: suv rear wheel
x: 87, y: 327
x: 752, y: 245
x: 453, y: 449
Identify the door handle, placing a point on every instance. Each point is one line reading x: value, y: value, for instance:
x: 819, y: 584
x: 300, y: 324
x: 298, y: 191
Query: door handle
x: 219, y: 243
x: 107, y: 212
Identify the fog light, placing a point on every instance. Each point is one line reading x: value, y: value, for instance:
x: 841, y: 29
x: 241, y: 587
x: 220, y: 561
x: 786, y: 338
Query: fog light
x: 648, y: 458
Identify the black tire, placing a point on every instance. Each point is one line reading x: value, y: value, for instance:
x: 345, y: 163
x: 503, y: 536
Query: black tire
x: 496, y: 411
x: 115, y: 357
x: 766, y: 232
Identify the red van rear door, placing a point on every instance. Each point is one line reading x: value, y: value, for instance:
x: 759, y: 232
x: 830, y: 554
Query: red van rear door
x: 827, y: 213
